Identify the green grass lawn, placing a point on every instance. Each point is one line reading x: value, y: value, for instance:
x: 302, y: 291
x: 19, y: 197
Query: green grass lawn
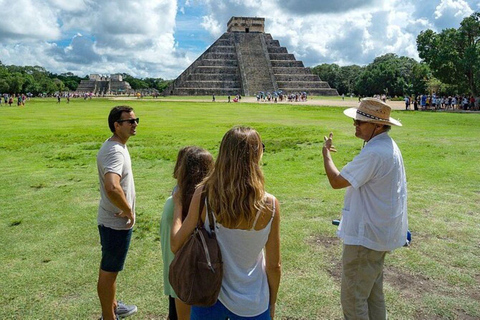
x: 50, y: 249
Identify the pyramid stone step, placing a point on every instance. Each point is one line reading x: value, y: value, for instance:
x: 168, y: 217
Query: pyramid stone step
x: 273, y: 43
x: 282, y: 56
x: 223, y: 42
x: 211, y: 84
x: 213, y: 77
x: 286, y: 63
x: 221, y: 56
x: 223, y: 49
x: 206, y: 91
x: 292, y: 70
x: 277, y: 50
x: 217, y: 69
x: 219, y: 62
x: 296, y: 77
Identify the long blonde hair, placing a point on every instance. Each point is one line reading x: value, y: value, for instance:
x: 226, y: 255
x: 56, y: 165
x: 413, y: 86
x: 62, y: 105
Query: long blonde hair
x: 235, y: 187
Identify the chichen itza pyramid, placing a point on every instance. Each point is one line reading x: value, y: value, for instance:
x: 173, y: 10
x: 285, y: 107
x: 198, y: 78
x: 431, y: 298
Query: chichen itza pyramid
x: 245, y: 60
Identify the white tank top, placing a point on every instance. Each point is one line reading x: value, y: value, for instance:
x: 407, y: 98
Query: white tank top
x: 244, y: 286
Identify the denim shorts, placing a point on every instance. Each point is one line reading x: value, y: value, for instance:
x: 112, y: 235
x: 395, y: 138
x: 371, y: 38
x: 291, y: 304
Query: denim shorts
x: 115, y: 244
x: 219, y: 312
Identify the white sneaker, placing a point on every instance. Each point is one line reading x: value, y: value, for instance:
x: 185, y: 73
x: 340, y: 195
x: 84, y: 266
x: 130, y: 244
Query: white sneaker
x: 123, y: 310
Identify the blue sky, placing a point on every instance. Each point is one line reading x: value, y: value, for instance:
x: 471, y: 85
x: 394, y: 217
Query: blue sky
x: 160, y: 38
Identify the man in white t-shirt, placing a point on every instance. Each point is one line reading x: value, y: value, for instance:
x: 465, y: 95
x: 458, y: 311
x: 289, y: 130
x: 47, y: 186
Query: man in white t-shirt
x: 374, y: 217
x: 116, y: 210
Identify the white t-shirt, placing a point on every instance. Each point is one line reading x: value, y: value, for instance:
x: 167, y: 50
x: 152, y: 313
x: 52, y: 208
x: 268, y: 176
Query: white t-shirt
x: 114, y: 157
x: 375, y: 206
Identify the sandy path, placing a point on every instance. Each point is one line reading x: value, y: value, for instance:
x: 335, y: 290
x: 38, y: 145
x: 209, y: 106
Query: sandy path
x: 348, y: 102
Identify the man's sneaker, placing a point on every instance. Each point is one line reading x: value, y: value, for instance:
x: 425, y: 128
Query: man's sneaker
x: 123, y: 310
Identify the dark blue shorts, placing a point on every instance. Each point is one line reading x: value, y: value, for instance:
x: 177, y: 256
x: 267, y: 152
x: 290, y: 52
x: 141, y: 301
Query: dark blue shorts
x: 115, y: 244
x: 219, y: 312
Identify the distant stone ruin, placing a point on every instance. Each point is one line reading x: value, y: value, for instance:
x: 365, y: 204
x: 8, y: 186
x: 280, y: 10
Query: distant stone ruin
x: 101, y: 85
x: 245, y: 60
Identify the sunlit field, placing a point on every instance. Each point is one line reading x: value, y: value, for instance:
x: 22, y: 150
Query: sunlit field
x: 49, y: 194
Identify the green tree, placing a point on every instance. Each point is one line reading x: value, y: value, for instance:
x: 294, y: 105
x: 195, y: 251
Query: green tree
x: 347, y: 79
x: 329, y: 73
x: 16, y: 81
x: 136, y: 84
x: 4, y: 86
x: 390, y: 74
x: 453, y: 55
x: 70, y: 80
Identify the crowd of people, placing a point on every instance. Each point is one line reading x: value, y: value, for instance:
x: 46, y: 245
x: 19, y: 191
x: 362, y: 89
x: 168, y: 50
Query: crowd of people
x: 20, y: 99
x: 231, y: 190
x: 14, y: 99
x: 434, y: 102
x: 281, y: 96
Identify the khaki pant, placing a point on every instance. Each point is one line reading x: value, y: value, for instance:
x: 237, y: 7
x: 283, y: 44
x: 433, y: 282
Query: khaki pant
x: 362, y: 284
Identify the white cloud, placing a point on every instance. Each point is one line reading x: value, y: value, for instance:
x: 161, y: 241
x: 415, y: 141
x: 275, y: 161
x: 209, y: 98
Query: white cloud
x: 70, y: 5
x: 209, y: 23
x: 449, y: 13
x: 26, y: 20
x: 160, y: 38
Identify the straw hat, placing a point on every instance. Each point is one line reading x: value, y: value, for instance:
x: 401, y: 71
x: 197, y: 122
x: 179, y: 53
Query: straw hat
x: 372, y: 110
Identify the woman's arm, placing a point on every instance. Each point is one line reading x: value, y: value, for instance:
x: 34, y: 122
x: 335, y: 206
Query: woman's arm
x: 181, y: 231
x: 273, y: 259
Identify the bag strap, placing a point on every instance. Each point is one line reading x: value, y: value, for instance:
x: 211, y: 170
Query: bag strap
x: 202, y: 203
x: 211, y: 222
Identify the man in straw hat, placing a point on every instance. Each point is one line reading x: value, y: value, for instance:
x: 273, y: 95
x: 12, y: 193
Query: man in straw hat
x: 374, y: 217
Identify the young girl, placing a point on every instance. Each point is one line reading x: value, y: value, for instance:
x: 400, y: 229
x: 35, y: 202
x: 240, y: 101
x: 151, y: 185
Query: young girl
x: 193, y: 164
x: 247, y: 222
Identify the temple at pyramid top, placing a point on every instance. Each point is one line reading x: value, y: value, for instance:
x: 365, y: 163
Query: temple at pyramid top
x: 245, y: 60
x: 244, y: 24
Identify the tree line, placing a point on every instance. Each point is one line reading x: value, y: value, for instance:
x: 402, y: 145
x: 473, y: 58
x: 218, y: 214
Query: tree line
x: 37, y: 80
x: 450, y: 65
x: 388, y: 74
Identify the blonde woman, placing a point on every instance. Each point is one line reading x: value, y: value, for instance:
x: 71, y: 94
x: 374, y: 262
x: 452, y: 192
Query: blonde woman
x: 247, y: 221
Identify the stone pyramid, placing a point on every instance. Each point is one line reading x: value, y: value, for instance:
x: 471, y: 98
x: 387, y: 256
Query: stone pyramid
x: 245, y: 60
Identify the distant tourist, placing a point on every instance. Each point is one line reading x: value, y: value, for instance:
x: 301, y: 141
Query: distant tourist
x: 374, y: 217
x: 116, y: 210
x: 423, y: 101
